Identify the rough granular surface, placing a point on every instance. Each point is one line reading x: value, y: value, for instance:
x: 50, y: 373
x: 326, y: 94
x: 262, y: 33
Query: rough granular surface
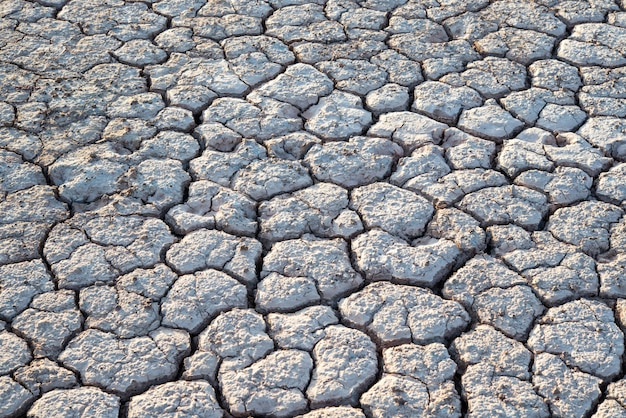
x: 312, y: 208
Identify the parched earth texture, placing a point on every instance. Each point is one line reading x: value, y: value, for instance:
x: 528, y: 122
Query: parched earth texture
x: 312, y: 208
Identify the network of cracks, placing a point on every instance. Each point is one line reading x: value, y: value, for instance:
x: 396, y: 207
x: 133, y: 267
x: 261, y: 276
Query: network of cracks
x: 341, y: 208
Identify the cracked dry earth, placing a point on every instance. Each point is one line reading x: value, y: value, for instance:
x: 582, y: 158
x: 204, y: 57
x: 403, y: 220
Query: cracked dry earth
x: 313, y: 208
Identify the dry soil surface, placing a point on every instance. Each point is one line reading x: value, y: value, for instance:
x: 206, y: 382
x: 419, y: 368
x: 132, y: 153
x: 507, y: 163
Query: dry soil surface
x: 312, y: 208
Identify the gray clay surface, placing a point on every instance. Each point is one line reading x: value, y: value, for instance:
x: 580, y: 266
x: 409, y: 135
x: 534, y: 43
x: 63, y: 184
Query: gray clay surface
x: 312, y: 208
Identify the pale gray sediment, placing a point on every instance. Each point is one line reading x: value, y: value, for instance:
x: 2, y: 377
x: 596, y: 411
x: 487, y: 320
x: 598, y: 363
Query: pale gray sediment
x: 312, y: 208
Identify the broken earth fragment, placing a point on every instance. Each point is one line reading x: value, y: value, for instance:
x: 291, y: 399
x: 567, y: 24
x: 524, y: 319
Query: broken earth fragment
x: 360, y: 161
x: 193, y: 300
x: 325, y: 262
x: 199, y: 398
x: 584, y: 334
x: 397, y: 314
x: 95, y: 356
x: 211, y: 249
x: 345, y: 364
x: 382, y: 256
x: 394, y: 210
x: 89, y: 401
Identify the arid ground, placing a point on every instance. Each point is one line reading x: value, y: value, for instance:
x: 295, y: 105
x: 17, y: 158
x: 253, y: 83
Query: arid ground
x: 313, y: 208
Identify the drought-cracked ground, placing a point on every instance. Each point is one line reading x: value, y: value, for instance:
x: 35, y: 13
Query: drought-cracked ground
x: 317, y: 208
